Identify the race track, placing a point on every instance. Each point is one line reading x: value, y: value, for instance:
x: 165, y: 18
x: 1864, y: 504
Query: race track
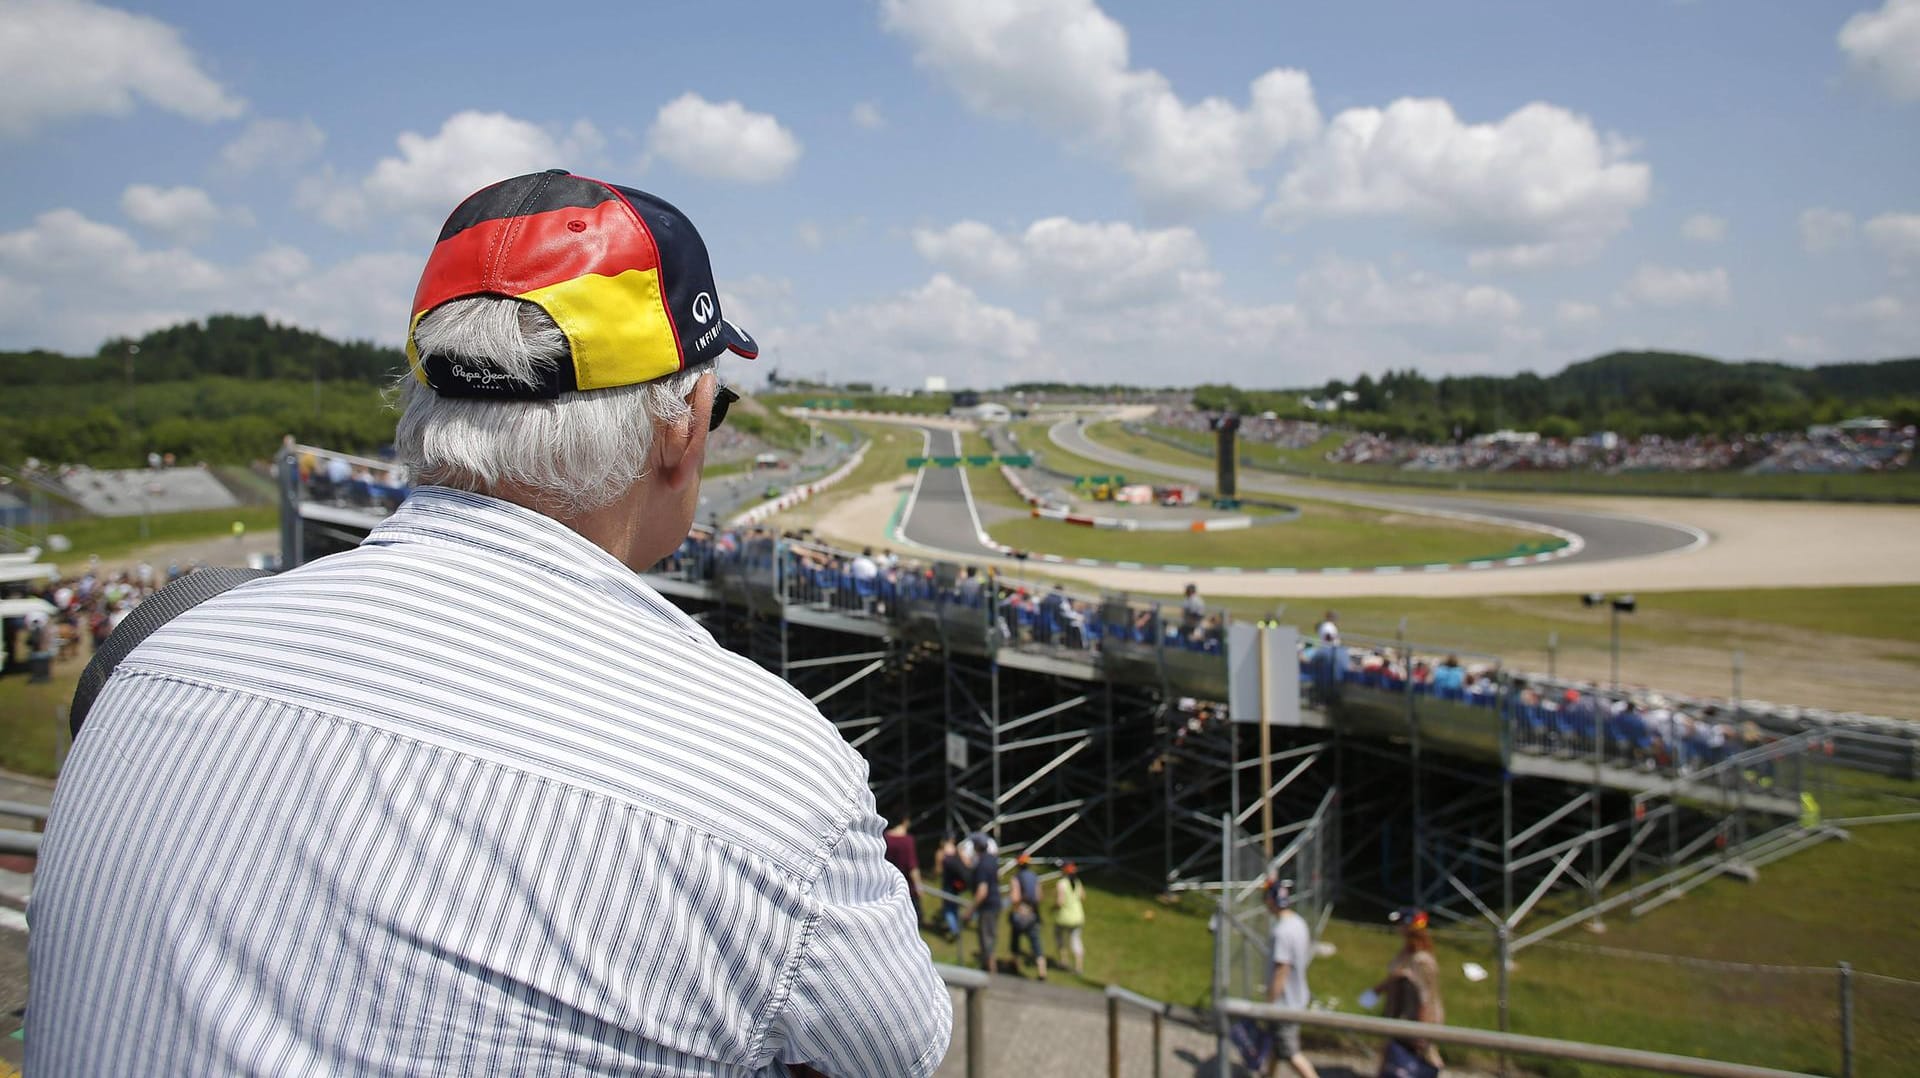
x: 1625, y: 543
x: 1603, y: 536
x: 940, y: 513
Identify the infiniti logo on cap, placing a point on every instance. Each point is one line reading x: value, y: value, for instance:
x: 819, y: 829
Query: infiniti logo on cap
x: 703, y: 308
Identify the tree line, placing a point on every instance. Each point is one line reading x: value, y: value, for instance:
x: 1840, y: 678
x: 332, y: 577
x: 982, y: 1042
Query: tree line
x: 1630, y: 393
x: 226, y: 389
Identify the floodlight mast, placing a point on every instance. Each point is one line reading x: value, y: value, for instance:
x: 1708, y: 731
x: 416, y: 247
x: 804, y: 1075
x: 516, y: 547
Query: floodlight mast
x: 1618, y: 605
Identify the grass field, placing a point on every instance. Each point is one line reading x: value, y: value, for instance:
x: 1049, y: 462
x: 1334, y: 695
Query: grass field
x: 974, y: 444
x: 115, y: 537
x: 1033, y: 438
x: 33, y: 718
x: 1633, y: 993
x: 1323, y: 535
x: 1844, y: 649
x: 1899, y: 486
x: 887, y: 452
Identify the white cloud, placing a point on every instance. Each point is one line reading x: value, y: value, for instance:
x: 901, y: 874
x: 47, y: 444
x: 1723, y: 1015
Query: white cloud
x: 1540, y: 186
x: 1704, y: 228
x: 91, y: 281
x: 1113, y: 264
x: 942, y: 327
x: 66, y: 244
x: 866, y: 116
x: 1823, y: 229
x: 1083, y: 264
x: 1342, y: 292
x: 1877, y: 309
x: 1895, y: 234
x: 973, y: 250
x: 364, y: 297
x: 1573, y: 312
x: 281, y: 145
x: 1884, y: 45
x: 1663, y: 286
x: 1064, y: 65
x: 182, y: 214
x: 434, y: 172
x: 723, y: 140
x: 66, y: 58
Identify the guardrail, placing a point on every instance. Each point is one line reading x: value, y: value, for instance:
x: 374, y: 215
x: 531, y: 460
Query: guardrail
x: 1505, y: 1043
x: 1159, y: 1009
x: 21, y: 842
x: 973, y: 982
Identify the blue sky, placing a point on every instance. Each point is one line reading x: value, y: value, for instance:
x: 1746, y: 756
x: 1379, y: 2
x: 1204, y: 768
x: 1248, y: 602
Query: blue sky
x: 989, y: 190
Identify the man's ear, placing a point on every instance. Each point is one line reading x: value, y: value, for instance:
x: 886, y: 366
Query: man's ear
x: 674, y: 460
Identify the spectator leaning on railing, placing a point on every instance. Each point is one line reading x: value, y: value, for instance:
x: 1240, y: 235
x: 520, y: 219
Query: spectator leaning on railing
x: 472, y: 797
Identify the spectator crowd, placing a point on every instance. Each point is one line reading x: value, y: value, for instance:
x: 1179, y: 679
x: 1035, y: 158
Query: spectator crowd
x: 1822, y: 451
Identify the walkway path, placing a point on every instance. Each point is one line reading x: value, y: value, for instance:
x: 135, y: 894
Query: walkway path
x: 1061, y: 1032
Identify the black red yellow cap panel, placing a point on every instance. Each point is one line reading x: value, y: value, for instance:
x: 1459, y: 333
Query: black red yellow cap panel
x: 622, y: 273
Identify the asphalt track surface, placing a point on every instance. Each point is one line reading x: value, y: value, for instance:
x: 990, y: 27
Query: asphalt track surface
x: 940, y: 512
x: 1607, y: 537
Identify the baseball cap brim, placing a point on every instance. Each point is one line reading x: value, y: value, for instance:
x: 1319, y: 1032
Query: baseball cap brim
x: 738, y: 341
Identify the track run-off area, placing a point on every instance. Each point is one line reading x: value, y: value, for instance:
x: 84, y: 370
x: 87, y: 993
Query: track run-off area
x: 1617, y: 543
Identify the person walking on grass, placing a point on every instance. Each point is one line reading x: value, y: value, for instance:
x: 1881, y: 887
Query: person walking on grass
x: 1292, y: 946
x: 904, y: 854
x: 984, y: 910
x: 1069, y: 917
x: 1024, y: 914
x: 1411, y: 992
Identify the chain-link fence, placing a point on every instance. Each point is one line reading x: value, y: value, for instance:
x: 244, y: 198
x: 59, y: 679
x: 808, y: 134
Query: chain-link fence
x: 1306, y: 854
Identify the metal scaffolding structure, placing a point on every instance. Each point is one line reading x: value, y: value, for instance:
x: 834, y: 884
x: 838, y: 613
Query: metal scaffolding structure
x: 1489, y: 802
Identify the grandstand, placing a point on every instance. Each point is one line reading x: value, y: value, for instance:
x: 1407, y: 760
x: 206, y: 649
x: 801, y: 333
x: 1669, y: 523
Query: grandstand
x: 134, y: 491
x: 1097, y: 728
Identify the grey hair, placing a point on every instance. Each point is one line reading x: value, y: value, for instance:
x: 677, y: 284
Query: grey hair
x: 575, y: 454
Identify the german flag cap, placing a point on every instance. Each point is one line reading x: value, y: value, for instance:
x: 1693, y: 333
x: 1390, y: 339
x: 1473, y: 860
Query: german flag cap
x: 623, y: 274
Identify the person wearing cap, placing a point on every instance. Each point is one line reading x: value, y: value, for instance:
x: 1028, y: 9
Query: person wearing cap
x: 1069, y: 917
x: 472, y: 797
x: 983, y: 912
x: 1023, y: 916
x: 1292, y: 948
x: 1411, y: 990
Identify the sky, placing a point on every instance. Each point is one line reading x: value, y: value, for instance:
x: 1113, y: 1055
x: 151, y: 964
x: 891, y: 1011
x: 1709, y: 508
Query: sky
x: 993, y: 191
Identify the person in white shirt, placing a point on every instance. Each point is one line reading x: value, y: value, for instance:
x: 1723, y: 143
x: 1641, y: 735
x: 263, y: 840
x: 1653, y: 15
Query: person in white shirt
x: 1328, y: 632
x: 863, y: 567
x: 1292, y: 948
x: 472, y: 797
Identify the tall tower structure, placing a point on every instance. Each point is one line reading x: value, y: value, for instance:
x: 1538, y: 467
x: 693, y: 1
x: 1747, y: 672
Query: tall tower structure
x: 1226, y: 458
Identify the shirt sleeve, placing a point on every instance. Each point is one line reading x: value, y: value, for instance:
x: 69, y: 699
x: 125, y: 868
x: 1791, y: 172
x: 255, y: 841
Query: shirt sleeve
x: 865, y: 1001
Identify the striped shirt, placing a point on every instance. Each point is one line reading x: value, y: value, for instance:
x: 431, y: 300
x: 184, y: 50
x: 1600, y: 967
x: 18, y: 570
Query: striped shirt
x: 469, y: 799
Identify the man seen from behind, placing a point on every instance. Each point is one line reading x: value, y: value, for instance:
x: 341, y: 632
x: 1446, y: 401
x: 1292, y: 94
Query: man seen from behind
x: 472, y: 797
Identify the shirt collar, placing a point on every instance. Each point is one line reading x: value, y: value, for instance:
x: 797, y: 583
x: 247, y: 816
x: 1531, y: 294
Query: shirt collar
x: 442, y: 516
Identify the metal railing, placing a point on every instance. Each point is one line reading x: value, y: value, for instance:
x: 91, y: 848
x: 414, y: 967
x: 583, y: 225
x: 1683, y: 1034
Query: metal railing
x: 1158, y: 1009
x: 1507, y: 1043
x: 22, y: 842
x: 973, y: 982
